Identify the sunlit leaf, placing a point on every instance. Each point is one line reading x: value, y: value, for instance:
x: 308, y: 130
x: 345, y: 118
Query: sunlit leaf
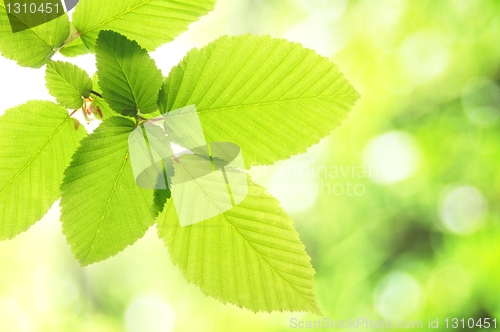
x: 37, y: 140
x: 34, y: 46
x: 128, y: 77
x: 271, y: 97
x: 149, y: 22
x: 74, y: 48
x: 68, y: 83
x: 250, y: 255
x: 102, y: 209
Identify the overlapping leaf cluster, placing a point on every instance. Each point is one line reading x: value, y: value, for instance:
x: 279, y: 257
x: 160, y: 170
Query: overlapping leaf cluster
x: 271, y: 97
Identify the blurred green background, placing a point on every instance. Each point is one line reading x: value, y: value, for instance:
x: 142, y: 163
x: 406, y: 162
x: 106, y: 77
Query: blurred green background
x: 398, y: 208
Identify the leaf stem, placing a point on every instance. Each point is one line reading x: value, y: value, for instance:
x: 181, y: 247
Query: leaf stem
x: 96, y: 93
x: 139, y: 120
x: 68, y: 41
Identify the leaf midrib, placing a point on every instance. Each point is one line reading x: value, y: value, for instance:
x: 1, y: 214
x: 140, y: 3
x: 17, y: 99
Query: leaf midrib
x: 119, y: 174
x: 249, y: 244
x: 127, y: 78
x: 33, y: 31
x: 115, y: 17
x: 277, y: 102
x: 35, y: 155
x: 267, y: 262
x: 68, y: 82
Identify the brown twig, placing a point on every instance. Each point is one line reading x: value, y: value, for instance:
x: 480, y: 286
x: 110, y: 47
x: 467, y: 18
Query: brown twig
x: 96, y: 94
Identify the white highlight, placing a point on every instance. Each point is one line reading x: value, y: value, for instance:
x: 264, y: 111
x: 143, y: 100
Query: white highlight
x: 149, y: 313
x: 463, y: 210
x: 13, y: 318
x: 395, y: 155
x: 397, y: 296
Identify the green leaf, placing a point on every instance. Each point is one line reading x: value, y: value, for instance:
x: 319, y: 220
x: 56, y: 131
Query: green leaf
x: 150, y: 22
x: 104, y: 107
x: 74, y: 49
x: 102, y: 208
x: 37, y: 140
x: 34, y: 46
x: 271, y: 97
x: 128, y: 77
x: 68, y: 83
x: 250, y: 255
